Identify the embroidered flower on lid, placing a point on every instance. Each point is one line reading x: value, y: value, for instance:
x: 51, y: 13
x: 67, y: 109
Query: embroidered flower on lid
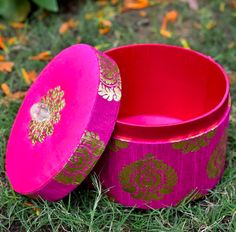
x: 45, y: 114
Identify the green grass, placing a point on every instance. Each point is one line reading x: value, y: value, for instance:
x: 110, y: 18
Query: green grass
x: 91, y: 210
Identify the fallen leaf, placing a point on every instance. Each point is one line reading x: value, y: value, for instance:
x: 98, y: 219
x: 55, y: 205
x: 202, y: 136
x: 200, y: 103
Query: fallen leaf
x: 135, y: 4
x: 210, y: 25
x: 165, y: 33
x: 22, y: 39
x: 70, y: 24
x: 9, y: 95
x: 2, y: 57
x: 28, y: 77
x: 3, y: 45
x: 234, y: 4
x: 35, y: 208
x: 170, y: 16
x: 114, y: 2
x: 104, y: 27
x: 143, y: 13
x: 42, y: 56
x: 184, y: 43
x: 17, y: 25
x: 231, y: 44
x: 6, y: 89
x: 11, y: 41
x: 6, y: 66
x: 102, y: 2
x: 222, y: 7
x: 2, y: 27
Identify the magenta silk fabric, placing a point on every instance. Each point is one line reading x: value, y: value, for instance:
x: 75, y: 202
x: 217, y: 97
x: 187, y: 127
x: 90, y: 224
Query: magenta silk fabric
x: 158, y: 175
x: 50, y: 159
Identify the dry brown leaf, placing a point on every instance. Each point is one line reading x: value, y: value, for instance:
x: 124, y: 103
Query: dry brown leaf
x: 22, y: 39
x: 29, y: 77
x: 6, y: 66
x: 135, y: 4
x: 234, y: 4
x: 17, y: 25
x: 42, y: 56
x: 114, y: 2
x: 70, y: 24
x: 104, y: 27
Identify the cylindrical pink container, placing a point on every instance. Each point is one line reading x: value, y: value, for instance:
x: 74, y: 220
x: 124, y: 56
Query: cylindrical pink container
x: 170, y: 138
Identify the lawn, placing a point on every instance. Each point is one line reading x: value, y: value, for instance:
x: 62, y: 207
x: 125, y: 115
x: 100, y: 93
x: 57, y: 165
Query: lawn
x: 211, y: 30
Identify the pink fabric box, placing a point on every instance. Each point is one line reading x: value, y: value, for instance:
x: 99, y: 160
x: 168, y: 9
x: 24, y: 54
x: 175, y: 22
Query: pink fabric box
x: 171, y: 132
x: 167, y: 135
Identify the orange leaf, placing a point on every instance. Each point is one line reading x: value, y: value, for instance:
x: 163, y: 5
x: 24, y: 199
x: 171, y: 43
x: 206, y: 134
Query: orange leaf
x: 42, y: 56
x: 17, y: 25
x: 143, y: 13
x: 165, y: 33
x: 6, y: 66
x: 70, y: 24
x: 104, y: 26
x: 9, y: 95
x: 234, y: 4
x: 11, y: 41
x: 2, y: 44
x: 170, y: 16
x: 114, y: 2
x: 28, y: 77
x: 135, y: 4
x: 2, y: 58
x: 6, y: 90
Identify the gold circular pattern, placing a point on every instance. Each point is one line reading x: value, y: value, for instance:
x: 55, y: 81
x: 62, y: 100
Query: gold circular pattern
x: 83, y: 160
x: 148, y: 179
x: 217, y: 159
x: 195, y: 144
x: 117, y: 145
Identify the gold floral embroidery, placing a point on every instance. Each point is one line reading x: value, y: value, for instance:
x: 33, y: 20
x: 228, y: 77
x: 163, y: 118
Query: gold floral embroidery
x: 83, y: 159
x: 54, y: 101
x: 217, y: 159
x: 148, y: 179
x: 195, y: 144
x: 193, y: 195
x: 110, y: 82
x: 116, y: 145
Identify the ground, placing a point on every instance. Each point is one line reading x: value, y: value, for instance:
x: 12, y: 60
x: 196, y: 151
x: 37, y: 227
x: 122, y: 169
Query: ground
x: 210, y: 30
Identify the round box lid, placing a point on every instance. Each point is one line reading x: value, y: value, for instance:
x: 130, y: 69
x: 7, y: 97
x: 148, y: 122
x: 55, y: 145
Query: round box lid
x: 64, y: 123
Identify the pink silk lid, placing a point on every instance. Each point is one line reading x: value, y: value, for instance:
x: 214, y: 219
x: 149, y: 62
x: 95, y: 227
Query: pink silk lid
x: 64, y: 123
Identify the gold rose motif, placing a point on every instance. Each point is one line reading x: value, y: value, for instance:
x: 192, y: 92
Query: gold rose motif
x: 110, y: 82
x: 217, y: 159
x: 148, y: 179
x: 195, y: 144
x: 83, y: 159
x: 54, y: 101
x: 117, y: 145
